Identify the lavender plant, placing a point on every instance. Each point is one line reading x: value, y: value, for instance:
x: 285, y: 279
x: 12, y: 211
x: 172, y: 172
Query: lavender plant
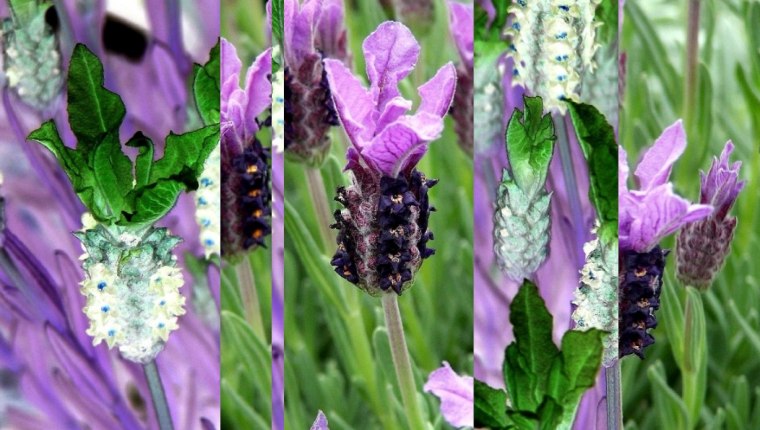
x: 460, y: 25
x: 317, y: 33
x: 128, y: 307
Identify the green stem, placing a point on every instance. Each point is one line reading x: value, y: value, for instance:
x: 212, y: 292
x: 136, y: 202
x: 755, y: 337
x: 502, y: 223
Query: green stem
x: 158, y: 395
x: 571, y: 185
x: 316, y: 187
x: 692, y: 63
x: 247, y: 287
x: 614, y: 397
x: 401, y: 361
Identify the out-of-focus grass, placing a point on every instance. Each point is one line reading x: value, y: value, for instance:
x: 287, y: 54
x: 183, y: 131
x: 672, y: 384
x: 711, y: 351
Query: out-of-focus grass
x: 246, y: 358
x: 337, y: 357
x: 727, y: 107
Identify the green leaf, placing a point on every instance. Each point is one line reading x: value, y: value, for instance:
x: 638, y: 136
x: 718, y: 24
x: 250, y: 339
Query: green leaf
x: 185, y: 155
x: 607, y: 15
x: 597, y: 139
x: 93, y: 110
x: 581, y: 358
x: 530, y: 144
x: 206, y: 87
x: 144, y: 161
x: 113, y: 175
x: 278, y: 19
x: 490, y: 406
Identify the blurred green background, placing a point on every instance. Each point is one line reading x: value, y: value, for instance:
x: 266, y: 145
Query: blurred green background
x: 337, y: 356
x: 704, y: 369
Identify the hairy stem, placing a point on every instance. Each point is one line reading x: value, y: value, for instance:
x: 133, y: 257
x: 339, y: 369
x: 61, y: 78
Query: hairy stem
x: 158, y: 395
x: 401, y: 361
x: 614, y: 397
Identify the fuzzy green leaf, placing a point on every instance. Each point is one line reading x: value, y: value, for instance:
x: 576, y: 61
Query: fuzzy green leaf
x: 144, y: 161
x: 206, y: 87
x: 607, y: 15
x: 278, y: 20
x: 530, y: 144
x: 113, y: 175
x: 490, y: 406
x: 597, y: 139
x: 93, y: 110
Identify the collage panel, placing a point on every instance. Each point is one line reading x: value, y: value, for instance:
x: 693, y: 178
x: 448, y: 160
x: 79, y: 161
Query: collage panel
x: 251, y: 222
x: 546, y: 262
x: 690, y: 127
x: 378, y: 214
x: 106, y: 133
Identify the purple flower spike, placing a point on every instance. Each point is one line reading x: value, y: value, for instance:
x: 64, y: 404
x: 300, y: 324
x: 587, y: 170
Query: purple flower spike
x: 654, y: 211
x: 647, y: 215
x: 313, y: 30
x: 246, y: 191
x: 456, y: 394
x: 375, y: 120
x: 383, y: 228
x: 703, y: 246
x: 461, y: 27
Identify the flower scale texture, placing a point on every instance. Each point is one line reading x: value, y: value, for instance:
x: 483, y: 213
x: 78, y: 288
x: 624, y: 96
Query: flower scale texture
x: 553, y: 45
x: 313, y: 31
x: 208, y: 204
x: 647, y: 215
x: 246, y: 188
x: 703, y: 245
x: 132, y: 288
x: 383, y: 226
x: 597, y: 296
x: 31, y: 61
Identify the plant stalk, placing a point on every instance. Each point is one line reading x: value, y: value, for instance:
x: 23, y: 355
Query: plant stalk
x: 401, y: 362
x: 319, y: 196
x: 247, y: 287
x: 571, y: 185
x: 692, y: 63
x: 159, y: 397
x: 614, y: 397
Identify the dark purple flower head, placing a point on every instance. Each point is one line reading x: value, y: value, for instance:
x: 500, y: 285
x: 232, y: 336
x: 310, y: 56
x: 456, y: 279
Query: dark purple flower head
x: 654, y: 211
x: 721, y: 185
x: 246, y: 190
x: 383, y: 228
x: 313, y: 30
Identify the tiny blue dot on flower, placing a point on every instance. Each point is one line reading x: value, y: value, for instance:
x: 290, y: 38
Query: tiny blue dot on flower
x: 160, y: 325
x: 516, y: 26
x: 111, y: 332
x: 564, y: 7
x: 206, y: 182
x: 561, y: 36
x: 162, y: 302
x: 105, y: 308
x: 101, y: 285
x: 206, y: 222
x: 202, y: 201
x: 209, y: 242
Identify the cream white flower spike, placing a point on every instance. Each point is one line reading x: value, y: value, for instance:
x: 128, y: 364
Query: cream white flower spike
x: 553, y: 46
x: 208, y: 204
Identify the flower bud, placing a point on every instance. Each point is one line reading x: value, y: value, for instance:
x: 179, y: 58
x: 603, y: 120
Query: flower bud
x: 522, y: 229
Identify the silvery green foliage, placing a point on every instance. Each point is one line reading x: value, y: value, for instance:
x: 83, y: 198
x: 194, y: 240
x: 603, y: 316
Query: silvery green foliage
x: 522, y: 228
x: 600, y: 88
x: 488, y: 106
x: 597, y: 295
x: 31, y: 61
x: 553, y: 46
x: 132, y: 288
x: 208, y: 204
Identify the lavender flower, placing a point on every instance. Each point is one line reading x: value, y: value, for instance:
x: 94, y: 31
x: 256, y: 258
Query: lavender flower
x: 313, y: 31
x: 246, y: 190
x: 383, y: 228
x: 703, y: 246
x: 31, y: 60
x: 647, y: 215
x: 461, y: 27
x: 456, y: 394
